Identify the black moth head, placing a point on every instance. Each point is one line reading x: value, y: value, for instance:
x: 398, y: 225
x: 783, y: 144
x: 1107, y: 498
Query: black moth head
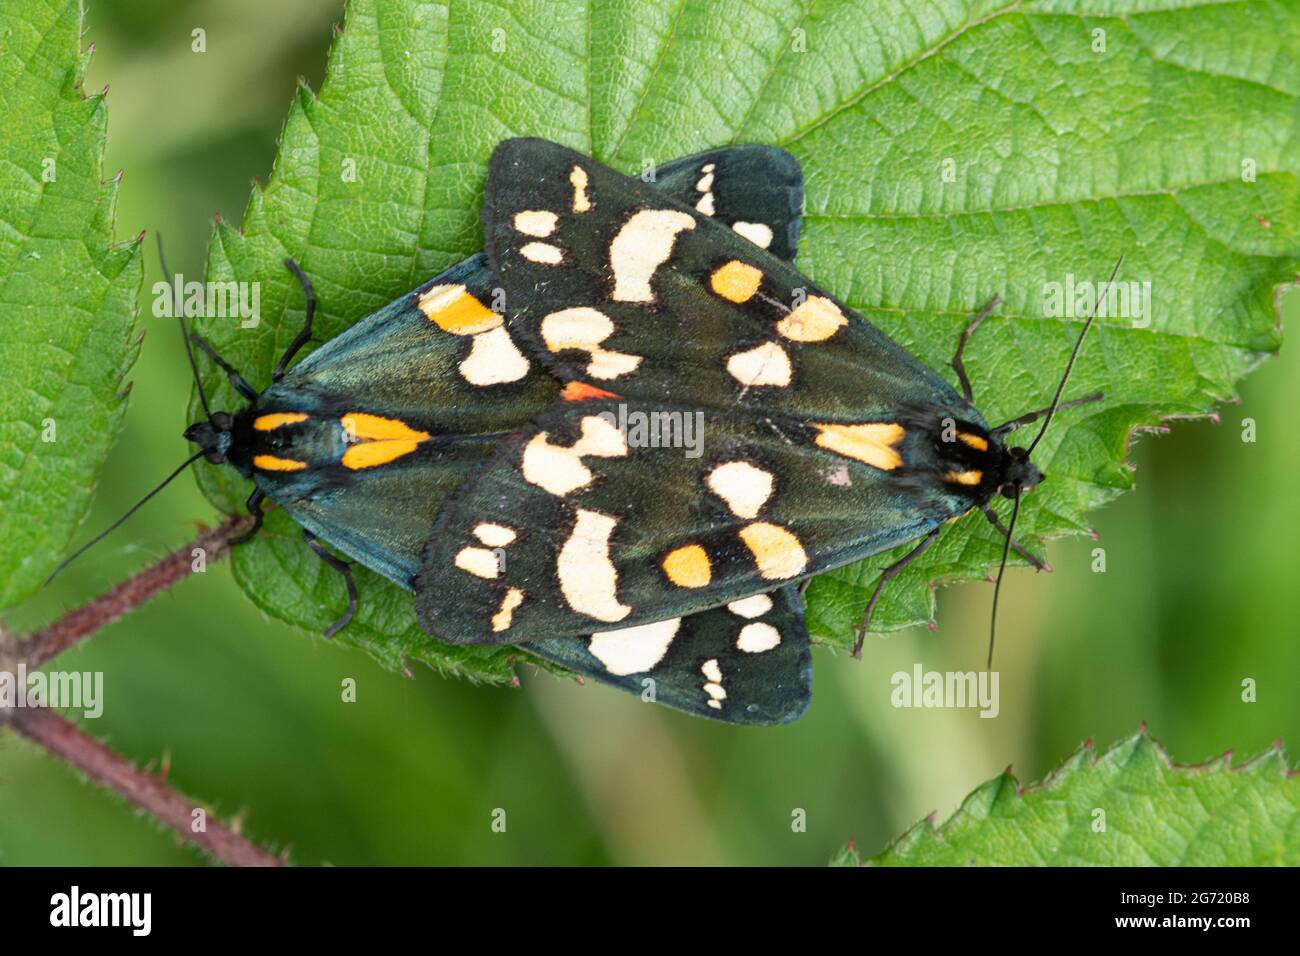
x: 1018, y: 473
x: 212, y: 436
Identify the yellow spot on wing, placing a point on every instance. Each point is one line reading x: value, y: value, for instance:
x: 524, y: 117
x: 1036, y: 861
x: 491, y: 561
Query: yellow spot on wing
x: 816, y: 320
x: 872, y: 443
x: 964, y: 477
x: 456, y: 310
x: 506, y: 612
x: 688, y: 567
x: 266, y: 423
x: 777, y: 552
x: 975, y: 441
x: 272, y: 463
x: 736, y: 281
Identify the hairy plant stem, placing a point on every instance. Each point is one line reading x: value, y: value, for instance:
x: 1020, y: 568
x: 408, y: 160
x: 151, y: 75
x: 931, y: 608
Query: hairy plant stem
x: 67, y: 742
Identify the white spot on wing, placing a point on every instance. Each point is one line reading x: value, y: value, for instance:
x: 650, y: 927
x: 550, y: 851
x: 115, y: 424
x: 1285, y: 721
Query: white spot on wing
x: 759, y: 233
x: 643, y: 244
x: 713, y: 686
x: 542, y: 252
x: 479, y: 562
x: 588, y: 578
x: 755, y: 605
x: 757, y: 637
x: 502, y: 619
x: 560, y: 470
x: 536, y: 222
x: 634, y: 650
x: 578, y: 180
x: 493, y: 359
x: 744, y: 487
x: 584, y: 328
x: 494, y: 535
x: 765, y: 364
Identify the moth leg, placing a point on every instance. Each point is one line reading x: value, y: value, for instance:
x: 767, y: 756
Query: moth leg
x: 1036, y: 415
x: 885, y: 577
x: 971, y: 326
x: 1038, y: 563
x: 304, y: 333
x: 237, y: 380
x: 254, y: 506
x: 343, y: 568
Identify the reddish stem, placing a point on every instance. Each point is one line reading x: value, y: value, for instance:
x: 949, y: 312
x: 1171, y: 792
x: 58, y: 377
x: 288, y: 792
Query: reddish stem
x: 69, y: 743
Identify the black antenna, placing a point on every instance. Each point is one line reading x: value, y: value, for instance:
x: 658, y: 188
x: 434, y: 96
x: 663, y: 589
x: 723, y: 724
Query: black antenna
x: 997, y: 588
x: 116, y: 524
x: 1069, y: 366
x: 1051, y: 412
x: 185, y: 332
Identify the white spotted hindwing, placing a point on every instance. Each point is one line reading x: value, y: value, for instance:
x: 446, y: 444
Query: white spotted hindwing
x: 748, y: 662
x: 585, y: 519
x: 440, y: 361
x: 609, y: 283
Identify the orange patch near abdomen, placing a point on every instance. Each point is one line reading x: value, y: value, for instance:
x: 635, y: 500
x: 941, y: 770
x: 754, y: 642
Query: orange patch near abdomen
x: 582, y: 392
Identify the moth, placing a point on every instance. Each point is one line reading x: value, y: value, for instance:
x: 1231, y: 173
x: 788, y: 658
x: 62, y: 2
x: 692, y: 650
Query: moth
x: 824, y: 440
x: 366, y: 439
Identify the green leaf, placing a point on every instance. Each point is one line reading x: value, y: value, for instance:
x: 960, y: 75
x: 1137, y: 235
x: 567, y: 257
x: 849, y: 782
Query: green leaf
x: 1076, y: 131
x: 67, y: 292
x: 1128, y: 807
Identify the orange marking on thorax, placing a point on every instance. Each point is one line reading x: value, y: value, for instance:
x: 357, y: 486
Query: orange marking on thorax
x: 272, y: 463
x: 978, y: 442
x: 873, y: 443
x: 376, y: 440
x: 267, y: 423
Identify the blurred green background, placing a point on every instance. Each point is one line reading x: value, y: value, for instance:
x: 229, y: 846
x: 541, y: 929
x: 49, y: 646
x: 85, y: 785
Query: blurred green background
x: 1199, y: 594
